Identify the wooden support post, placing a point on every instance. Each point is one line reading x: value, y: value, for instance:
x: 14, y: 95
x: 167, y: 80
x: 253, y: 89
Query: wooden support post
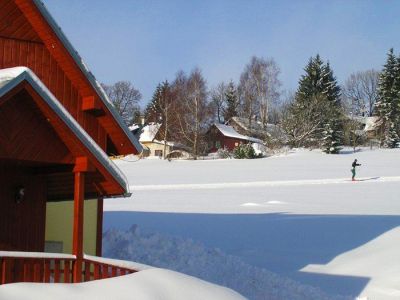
x: 77, y: 247
x: 99, y: 235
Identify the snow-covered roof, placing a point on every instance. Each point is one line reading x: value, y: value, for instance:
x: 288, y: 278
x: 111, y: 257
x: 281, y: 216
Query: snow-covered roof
x: 228, y: 131
x: 149, y: 132
x: 12, y: 77
x: 85, y: 70
x: 371, y: 123
x: 256, y: 128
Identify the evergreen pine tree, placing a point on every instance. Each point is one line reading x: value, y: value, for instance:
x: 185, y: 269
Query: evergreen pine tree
x: 387, y: 106
x: 331, y: 138
x: 231, y: 99
x: 330, y: 86
x: 153, y: 112
x: 310, y: 83
x: 319, y: 84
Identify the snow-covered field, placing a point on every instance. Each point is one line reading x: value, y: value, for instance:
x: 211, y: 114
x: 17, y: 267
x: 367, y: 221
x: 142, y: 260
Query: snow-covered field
x: 297, y: 215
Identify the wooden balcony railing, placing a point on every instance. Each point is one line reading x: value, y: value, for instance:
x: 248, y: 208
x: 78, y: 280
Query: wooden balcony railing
x: 49, y: 268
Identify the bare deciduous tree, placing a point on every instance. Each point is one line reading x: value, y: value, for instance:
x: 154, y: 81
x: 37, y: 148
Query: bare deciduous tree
x: 218, y: 96
x: 125, y: 99
x: 193, y: 109
x: 360, y: 92
x: 259, y: 87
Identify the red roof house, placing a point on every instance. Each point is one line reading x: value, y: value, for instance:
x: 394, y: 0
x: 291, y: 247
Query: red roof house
x: 223, y: 136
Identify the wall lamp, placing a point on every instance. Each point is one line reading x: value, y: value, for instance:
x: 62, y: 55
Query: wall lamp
x: 19, y: 195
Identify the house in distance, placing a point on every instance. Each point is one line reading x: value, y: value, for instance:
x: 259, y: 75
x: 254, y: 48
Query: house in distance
x: 221, y: 136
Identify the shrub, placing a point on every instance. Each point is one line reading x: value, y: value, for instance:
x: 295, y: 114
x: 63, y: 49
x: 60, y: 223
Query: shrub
x: 224, y: 153
x: 244, y: 151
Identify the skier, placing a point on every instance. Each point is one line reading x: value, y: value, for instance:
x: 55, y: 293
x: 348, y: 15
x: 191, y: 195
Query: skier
x: 353, y: 169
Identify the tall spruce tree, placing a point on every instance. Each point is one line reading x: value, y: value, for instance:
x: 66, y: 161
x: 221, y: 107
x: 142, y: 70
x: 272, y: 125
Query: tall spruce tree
x: 318, y: 94
x: 231, y: 99
x: 387, y: 106
x: 332, y: 135
x: 153, y: 111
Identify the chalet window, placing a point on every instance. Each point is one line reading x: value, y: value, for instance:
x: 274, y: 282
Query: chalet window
x: 53, y: 247
x: 158, y: 153
x: 217, y: 144
x: 236, y: 144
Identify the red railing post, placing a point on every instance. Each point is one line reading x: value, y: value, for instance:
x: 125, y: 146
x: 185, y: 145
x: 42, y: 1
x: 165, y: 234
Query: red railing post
x: 114, y: 271
x: 4, y: 271
x: 87, y: 271
x: 27, y: 271
x: 46, y: 271
x: 1, y: 270
x: 56, y: 270
x: 96, y: 271
x: 67, y: 271
x: 37, y: 271
x: 104, y: 271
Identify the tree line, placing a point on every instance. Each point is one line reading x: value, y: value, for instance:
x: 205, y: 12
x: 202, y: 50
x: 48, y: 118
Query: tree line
x: 318, y: 114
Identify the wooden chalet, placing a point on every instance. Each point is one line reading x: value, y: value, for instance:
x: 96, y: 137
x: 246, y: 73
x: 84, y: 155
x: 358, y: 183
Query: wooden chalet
x: 221, y: 136
x: 57, y: 128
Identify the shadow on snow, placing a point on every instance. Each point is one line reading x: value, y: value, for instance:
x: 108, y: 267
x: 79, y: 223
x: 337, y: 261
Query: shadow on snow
x: 281, y: 243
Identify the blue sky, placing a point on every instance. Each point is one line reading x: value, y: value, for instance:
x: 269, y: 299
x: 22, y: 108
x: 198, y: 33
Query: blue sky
x: 145, y: 41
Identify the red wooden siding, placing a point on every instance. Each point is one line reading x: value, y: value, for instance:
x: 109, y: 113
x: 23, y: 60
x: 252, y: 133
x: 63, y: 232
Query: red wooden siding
x: 30, y: 131
x: 215, y: 136
x: 72, y: 70
x: 20, y: 45
x: 24, y: 132
x: 22, y: 224
x: 36, y: 57
x: 13, y: 24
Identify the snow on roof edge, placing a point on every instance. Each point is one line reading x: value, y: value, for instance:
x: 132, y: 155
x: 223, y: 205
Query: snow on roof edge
x: 229, y: 131
x: 15, y: 76
x: 85, y: 70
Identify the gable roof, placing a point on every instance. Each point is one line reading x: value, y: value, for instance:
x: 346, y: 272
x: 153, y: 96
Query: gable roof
x: 11, y: 78
x: 149, y: 132
x: 35, y: 11
x: 228, y: 131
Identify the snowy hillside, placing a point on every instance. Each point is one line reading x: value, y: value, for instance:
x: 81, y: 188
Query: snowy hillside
x: 296, y: 214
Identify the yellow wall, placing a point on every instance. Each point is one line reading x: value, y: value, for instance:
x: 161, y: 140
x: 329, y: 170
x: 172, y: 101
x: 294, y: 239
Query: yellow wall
x: 59, y: 224
x: 156, y: 146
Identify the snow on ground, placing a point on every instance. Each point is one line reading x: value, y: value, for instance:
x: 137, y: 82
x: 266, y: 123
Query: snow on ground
x: 149, y: 284
x: 378, y: 254
x: 296, y: 214
x: 193, y: 258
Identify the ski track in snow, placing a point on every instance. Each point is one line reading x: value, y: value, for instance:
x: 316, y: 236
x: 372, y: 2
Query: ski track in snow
x: 224, y: 185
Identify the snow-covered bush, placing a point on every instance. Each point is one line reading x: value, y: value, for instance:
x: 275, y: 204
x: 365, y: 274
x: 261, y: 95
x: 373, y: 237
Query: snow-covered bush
x: 260, y: 149
x: 330, y: 139
x: 224, y: 153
